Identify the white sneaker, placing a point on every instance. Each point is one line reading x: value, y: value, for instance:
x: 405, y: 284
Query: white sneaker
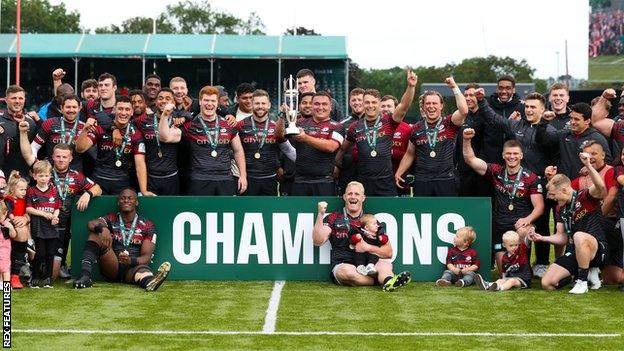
x: 361, y: 269
x: 579, y: 288
x: 539, y: 270
x: 593, y: 278
x: 371, y: 270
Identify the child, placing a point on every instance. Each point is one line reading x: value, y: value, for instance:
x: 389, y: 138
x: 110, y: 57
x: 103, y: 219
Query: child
x: 517, y: 272
x: 365, y: 262
x: 461, y: 260
x: 44, y: 205
x: 15, y: 200
x: 8, y: 233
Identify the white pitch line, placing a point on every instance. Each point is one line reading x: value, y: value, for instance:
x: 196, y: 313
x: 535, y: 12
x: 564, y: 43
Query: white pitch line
x: 271, y: 313
x: 317, y: 333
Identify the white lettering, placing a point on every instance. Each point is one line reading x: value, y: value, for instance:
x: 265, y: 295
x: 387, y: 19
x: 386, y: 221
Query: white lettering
x: 253, y: 223
x: 179, y: 223
x: 420, y: 237
x: 283, y: 239
x: 226, y: 238
x: 447, y: 235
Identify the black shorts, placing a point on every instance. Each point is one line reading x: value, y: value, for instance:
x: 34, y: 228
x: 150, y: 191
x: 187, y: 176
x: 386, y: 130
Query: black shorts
x: 164, y: 185
x: 111, y: 187
x: 261, y: 186
x: 568, y: 260
x: 446, y: 187
x: 313, y: 189
x: 212, y: 187
x: 497, y: 236
x: 125, y: 274
x: 615, y: 239
x: 379, y: 186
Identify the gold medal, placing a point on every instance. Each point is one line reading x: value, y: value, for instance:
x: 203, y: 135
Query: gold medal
x: 373, y: 153
x: 432, y: 153
x: 510, y: 207
x: 213, y: 153
x: 160, y: 154
x: 257, y: 155
x: 118, y: 163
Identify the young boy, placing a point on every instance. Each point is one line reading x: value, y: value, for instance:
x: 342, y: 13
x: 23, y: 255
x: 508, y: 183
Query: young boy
x: 517, y: 272
x: 371, y: 233
x: 461, y: 260
x: 43, y: 205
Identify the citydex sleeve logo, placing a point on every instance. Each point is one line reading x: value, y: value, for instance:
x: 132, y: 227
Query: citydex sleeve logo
x: 279, y: 238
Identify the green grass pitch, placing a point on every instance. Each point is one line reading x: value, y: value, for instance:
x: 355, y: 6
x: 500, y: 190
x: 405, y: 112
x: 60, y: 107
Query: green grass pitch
x: 606, y: 68
x: 189, y: 316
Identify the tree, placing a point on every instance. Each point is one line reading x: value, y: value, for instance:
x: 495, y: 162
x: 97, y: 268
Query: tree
x: 39, y: 16
x: 190, y: 17
x: 139, y: 25
x: 253, y: 25
x: 301, y: 31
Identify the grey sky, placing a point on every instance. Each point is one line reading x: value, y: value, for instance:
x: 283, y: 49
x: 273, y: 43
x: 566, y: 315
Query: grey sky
x: 383, y: 34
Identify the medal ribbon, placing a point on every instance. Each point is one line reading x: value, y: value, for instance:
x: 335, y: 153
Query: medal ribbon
x: 264, y: 132
x: 127, y: 235
x: 120, y: 148
x: 72, y: 133
x: 212, y: 140
x: 372, y: 140
x: 157, y: 134
x: 63, y: 190
x: 432, y: 133
x: 566, y: 214
x: 516, y: 182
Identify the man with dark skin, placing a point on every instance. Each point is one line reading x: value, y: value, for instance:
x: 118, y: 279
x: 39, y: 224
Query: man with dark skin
x: 123, y: 244
x: 151, y: 88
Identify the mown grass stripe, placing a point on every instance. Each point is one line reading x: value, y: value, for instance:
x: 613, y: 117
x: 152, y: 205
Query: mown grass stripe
x: 347, y: 333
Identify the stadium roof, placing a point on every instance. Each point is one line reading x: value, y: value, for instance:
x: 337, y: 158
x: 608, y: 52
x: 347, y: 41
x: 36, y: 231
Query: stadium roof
x: 175, y: 46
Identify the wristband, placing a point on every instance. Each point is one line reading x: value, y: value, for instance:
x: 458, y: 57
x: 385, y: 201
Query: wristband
x: 456, y: 90
x: 134, y: 261
x: 88, y: 191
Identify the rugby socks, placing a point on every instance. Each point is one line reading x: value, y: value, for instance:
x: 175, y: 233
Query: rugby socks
x: 563, y: 282
x: 582, y: 274
x: 386, y: 279
x: 18, y: 252
x: 89, y: 257
x: 146, y: 280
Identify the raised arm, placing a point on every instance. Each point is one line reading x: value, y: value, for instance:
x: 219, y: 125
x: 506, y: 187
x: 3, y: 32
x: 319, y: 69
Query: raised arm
x: 321, y: 232
x: 477, y: 164
x: 25, y: 146
x: 83, y: 142
x: 407, y: 98
x: 598, y: 189
x: 166, y: 133
x: 600, y: 112
x: 462, y: 107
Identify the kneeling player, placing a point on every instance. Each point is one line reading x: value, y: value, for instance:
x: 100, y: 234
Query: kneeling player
x: 123, y: 242
x: 579, y: 220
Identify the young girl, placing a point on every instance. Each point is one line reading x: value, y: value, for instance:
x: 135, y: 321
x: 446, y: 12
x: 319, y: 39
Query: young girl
x: 43, y: 204
x: 372, y: 233
x: 8, y: 233
x: 15, y: 200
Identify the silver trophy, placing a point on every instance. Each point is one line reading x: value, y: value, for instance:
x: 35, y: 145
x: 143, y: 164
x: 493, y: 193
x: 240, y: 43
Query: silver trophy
x: 291, y: 99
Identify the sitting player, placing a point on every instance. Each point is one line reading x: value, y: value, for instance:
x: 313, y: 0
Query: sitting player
x: 462, y: 262
x: 372, y: 233
x: 517, y: 272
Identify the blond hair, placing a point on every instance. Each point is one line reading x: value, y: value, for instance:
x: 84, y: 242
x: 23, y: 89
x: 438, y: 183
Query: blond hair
x: 367, y: 219
x: 355, y: 184
x: 42, y: 166
x: 14, y: 179
x: 510, y: 237
x: 559, y: 180
x: 467, y: 233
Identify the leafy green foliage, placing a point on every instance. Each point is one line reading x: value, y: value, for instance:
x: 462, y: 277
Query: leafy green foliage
x: 39, y: 16
x: 191, y: 17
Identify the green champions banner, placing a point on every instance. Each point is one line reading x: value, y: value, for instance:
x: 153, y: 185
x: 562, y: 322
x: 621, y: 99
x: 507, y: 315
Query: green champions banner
x: 270, y: 238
